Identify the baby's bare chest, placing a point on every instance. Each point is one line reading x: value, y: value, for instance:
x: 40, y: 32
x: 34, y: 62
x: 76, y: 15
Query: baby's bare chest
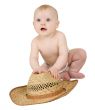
x: 48, y: 48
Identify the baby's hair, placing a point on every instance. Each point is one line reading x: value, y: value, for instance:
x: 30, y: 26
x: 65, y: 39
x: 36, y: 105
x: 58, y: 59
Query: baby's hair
x: 45, y: 7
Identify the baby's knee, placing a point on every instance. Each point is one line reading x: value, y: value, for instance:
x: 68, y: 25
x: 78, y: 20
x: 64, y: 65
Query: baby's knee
x: 82, y: 54
x: 79, y: 55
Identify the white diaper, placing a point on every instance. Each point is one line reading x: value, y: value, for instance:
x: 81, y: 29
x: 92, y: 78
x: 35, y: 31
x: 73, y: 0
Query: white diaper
x: 64, y: 69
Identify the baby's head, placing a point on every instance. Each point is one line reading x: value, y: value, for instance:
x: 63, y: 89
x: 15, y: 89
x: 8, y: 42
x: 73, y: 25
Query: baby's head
x: 45, y: 19
x: 47, y: 8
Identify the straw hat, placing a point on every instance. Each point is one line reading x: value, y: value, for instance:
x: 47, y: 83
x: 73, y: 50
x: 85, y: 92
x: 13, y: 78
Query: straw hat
x: 41, y: 88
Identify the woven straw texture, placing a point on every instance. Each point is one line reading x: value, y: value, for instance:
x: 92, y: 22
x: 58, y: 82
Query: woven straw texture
x: 41, y: 88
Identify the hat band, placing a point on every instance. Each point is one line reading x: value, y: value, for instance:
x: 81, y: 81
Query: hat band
x: 46, y: 95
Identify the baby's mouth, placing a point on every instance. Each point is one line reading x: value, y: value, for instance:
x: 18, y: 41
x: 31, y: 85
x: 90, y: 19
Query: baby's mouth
x: 43, y: 29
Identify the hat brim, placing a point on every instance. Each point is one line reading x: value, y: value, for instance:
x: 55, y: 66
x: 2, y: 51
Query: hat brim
x: 18, y: 94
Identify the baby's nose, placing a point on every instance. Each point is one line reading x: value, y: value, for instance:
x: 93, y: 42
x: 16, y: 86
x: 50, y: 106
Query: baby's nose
x: 43, y: 24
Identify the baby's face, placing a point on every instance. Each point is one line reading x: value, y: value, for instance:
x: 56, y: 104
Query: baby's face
x: 45, y: 22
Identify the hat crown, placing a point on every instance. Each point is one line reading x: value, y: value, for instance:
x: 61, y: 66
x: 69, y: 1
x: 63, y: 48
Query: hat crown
x: 42, y: 83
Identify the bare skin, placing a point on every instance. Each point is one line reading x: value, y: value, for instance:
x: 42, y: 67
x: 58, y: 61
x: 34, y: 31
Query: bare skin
x: 76, y: 60
x: 52, y: 45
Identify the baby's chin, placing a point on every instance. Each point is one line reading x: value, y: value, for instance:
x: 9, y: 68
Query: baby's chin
x: 44, y: 33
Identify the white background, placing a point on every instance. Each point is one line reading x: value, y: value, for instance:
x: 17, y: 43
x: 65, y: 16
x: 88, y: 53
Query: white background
x: 77, y: 21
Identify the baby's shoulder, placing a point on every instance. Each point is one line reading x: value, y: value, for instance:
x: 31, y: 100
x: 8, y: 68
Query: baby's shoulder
x: 34, y: 40
x: 60, y: 35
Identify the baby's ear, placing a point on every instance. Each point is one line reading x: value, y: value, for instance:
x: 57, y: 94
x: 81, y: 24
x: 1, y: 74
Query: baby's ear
x: 57, y: 24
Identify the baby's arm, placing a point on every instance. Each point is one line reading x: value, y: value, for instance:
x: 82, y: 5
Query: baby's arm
x: 62, y: 59
x: 34, y: 54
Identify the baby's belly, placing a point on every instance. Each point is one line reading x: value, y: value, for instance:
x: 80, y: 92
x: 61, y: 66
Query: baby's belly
x: 50, y: 60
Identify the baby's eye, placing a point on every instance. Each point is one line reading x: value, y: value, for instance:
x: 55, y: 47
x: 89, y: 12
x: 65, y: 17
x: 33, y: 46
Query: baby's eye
x: 38, y: 19
x: 48, y: 19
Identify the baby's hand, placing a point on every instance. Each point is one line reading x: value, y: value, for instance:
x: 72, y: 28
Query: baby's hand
x: 39, y: 69
x: 54, y: 72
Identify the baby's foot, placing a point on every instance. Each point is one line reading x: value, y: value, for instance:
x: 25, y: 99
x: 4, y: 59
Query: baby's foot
x: 65, y: 76
x: 77, y: 75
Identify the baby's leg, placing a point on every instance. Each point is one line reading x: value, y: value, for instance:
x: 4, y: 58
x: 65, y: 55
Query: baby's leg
x: 76, y: 60
x: 65, y: 75
x: 44, y: 67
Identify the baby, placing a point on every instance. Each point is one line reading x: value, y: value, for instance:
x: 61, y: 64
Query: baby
x: 51, y: 43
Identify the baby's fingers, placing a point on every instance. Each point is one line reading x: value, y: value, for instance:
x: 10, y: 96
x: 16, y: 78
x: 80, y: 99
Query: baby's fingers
x: 35, y: 72
x: 56, y: 76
